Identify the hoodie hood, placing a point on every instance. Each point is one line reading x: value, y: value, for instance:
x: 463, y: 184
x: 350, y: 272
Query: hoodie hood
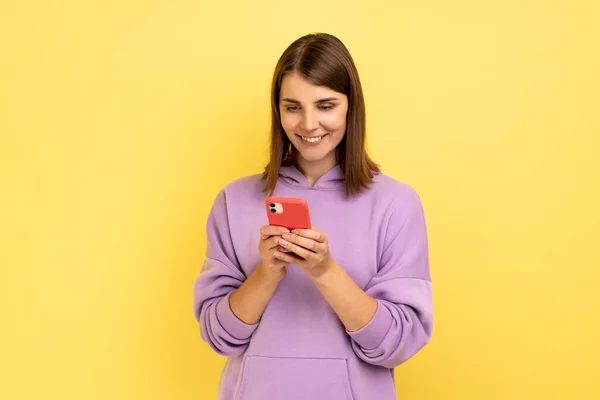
x: 331, y: 180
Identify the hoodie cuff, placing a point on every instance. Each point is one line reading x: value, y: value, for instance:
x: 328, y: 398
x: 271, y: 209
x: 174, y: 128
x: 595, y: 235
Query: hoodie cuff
x: 371, y: 335
x: 231, y: 323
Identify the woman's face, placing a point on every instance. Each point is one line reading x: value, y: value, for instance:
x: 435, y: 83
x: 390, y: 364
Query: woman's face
x: 313, y: 118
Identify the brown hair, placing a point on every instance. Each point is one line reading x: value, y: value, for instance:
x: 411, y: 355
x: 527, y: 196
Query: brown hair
x: 323, y: 60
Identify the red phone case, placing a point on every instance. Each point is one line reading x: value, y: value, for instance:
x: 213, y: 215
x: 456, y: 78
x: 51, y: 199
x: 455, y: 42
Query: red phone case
x: 290, y: 212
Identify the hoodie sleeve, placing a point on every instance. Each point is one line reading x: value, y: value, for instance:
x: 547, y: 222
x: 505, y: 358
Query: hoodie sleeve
x: 220, y: 275
x: 403, y: 322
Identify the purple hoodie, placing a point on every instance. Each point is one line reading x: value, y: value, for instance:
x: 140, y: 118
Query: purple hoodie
x: 300, y: 350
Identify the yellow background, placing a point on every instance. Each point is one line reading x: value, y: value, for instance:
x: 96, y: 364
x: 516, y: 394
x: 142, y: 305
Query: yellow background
x: 120, y: 121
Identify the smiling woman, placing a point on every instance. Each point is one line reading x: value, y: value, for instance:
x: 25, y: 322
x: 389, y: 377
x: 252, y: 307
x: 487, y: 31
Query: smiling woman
x: 316, y: 314
x: 318, y: 114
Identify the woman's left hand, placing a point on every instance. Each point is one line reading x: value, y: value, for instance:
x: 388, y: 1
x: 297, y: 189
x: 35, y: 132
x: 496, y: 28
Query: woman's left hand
x: 307, y: 248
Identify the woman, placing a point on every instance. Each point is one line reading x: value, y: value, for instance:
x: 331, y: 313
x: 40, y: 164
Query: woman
x: 328, y: 312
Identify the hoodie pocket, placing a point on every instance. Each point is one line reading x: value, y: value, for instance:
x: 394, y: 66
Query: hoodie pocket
x: 275, y: 378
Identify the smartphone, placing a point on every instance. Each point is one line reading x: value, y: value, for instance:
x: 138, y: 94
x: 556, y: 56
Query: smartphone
x: 288, y: 212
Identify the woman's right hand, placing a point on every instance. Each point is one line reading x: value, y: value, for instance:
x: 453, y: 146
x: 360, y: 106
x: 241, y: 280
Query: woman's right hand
x: 268, y: 246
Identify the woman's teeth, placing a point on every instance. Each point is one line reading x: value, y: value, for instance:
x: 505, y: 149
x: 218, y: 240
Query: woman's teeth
x: 312, y: 139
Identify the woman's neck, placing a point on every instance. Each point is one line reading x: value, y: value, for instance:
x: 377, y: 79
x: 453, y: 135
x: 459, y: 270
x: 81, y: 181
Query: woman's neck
x: 313, y: 170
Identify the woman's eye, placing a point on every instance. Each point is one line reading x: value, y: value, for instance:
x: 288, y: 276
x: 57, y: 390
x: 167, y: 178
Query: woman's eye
x: 321, y: 107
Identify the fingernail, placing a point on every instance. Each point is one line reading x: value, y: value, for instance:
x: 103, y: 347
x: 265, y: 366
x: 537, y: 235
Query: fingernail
x: 286, y: 236
x: 283, y: 242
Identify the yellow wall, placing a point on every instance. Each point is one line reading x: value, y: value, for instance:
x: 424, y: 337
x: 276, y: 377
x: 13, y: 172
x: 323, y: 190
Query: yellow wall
x: 120, y: 120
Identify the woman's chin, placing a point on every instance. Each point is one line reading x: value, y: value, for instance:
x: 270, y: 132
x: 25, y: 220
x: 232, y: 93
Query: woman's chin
x: 315, y: 156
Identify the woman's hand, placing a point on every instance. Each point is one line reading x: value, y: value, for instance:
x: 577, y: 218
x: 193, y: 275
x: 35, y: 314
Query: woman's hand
x: 307, y: 248
x: 271, y: 266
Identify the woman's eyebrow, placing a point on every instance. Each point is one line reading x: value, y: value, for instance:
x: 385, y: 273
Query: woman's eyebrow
x: 325, y: 100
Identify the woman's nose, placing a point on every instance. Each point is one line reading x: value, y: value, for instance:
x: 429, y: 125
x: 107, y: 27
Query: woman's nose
x: 309, y: 121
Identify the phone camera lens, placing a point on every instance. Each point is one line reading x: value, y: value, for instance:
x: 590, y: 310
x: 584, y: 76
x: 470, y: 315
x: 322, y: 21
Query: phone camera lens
x: 273, y: 210
x: 272, y: 205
